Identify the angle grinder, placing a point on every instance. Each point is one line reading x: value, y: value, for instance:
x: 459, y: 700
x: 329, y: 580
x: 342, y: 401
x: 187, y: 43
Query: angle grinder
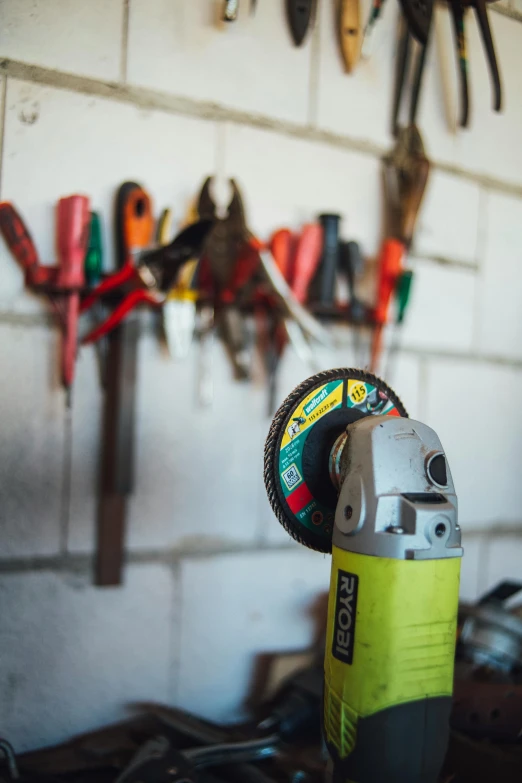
x: 347, y: 472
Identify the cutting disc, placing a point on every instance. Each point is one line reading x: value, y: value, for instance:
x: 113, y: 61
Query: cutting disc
x: 298, y: 446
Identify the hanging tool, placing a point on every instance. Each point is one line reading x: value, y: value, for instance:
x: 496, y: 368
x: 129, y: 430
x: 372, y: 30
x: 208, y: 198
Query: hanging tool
x: 63, y: 282
x: 351, y: 265
x: 230, y: 10
x: 297, y: 257
x: 414, y: 25
x: 72, y: 236
x: 93, y: 274
x: 349, y: 32
x: 458, y: 9
x: 406, y: 172
x: 179, y: 309
x: 94, y: 257
x: 229, y: 272
x: 376, y: 491
x: 369, y: 30
x: 134, y: 227
x: 323, y: 286
x: 151, y: 274
x: 300, y: 15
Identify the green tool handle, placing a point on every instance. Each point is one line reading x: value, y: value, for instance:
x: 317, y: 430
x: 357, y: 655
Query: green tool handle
x: 93, y: 265
x: 402, y: 294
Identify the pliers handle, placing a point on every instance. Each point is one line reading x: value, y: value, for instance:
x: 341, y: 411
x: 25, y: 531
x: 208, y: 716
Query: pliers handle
x: 133, y: 299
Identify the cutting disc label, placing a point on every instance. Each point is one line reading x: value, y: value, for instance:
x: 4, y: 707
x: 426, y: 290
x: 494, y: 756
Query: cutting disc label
x: 321, y: 401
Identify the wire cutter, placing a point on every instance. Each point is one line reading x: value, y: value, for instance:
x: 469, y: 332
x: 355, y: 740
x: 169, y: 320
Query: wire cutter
x: 458, y: 8
x: 414, y: 26
x: 149, y: 276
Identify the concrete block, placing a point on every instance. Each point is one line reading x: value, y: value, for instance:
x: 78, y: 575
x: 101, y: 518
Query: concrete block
x: 77, y: 37
x: 504, y: 561
x: 440, y: 315
x: 75, y: 658
x: 87, y: 411
x: 470, y: 406
x: 288, y: 182
x: 32, y: 412
x: 472, y: 566
x: 265, y: 604
x: 405, y: 379
x: 198, y: 470
x: 446, y: 231
x: 249, y: 65
x: 118, y: 143
x: 499, y: 328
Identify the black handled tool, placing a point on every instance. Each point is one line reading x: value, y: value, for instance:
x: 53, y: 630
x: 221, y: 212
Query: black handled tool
x: 300, y: 14
x: 458, y: 10
x: 329, y: 262
x: 414, y: 23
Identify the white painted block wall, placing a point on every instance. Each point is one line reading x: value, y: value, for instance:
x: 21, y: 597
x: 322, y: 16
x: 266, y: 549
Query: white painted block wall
x: 96, y: 93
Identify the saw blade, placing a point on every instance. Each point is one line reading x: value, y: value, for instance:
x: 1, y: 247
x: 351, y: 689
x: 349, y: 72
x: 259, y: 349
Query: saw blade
x: 298, y: 446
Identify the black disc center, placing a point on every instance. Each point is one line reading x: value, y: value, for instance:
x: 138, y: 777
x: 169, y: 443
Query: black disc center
x: 316, y: 453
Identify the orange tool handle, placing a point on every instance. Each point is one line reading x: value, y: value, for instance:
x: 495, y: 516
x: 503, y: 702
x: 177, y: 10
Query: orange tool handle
x: 307, y: 257
x: 137, y: 220
x: 390, y: 268
x: 282, y: 247
x: 72, y: 237
x: 18, y: 238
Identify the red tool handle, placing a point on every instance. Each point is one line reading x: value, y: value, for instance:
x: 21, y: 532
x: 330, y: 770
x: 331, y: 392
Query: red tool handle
x: 117, y: 315
x: 307, y: 257
x: 72, y: 236
x: 390, y: 268
x: 282, y: 247
x: 18, y: 239
x: 124, y: 275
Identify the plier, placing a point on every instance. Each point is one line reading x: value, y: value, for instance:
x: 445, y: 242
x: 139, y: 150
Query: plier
x: 458, y: 8
x: 413, y: 38
x: 150, y: 275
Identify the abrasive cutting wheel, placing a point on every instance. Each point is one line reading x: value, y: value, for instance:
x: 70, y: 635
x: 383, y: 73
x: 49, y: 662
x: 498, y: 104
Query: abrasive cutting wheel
x: 300, y: 442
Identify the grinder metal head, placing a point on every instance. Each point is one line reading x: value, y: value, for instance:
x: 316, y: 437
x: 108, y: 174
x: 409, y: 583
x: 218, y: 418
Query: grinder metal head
x: 300, y: 450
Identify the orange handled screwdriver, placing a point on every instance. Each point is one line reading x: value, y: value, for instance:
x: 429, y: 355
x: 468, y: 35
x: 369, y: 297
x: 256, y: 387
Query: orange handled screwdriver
x: 390, y: 268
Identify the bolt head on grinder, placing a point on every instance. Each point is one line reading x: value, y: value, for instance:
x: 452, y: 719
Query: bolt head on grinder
x: 300, y: 445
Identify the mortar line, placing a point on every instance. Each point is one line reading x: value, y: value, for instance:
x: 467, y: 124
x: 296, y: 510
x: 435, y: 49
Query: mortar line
x: 3, y: 112
x: 161, y: 101
x: 82, y: 563
x: 124, y: 41
x: 38, y: 321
